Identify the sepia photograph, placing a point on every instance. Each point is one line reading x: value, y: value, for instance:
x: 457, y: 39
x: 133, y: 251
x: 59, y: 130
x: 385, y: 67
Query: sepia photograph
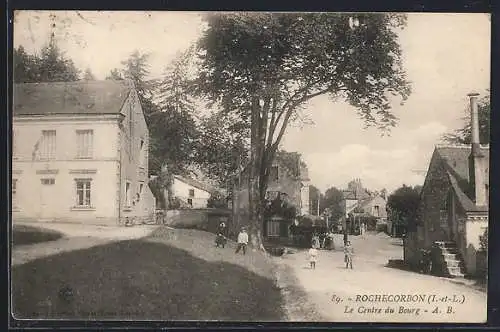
x: 250, y: 166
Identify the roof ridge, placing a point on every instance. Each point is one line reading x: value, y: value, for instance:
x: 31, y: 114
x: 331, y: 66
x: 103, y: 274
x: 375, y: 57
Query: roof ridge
x: 460, y: 146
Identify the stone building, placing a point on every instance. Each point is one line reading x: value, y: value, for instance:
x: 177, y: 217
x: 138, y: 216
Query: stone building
x: 288, y: 179
x: 80, y: 153
x: 453, y: 211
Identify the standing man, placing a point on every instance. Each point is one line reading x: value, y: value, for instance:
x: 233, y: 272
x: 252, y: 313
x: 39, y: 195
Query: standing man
x: 348, y: 253
x: 242, y: 241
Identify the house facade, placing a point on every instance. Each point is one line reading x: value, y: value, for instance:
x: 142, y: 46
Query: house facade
x: 190, y: 192
x: 363, y: 207
x: 453, y: 210
x: 80, y: 153
x: 289, y: 180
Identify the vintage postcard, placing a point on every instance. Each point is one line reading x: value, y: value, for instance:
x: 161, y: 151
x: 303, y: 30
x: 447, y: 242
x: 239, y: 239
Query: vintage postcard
x: 237, y: 166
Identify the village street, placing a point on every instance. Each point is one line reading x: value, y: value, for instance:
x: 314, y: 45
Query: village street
x: 334, y: 290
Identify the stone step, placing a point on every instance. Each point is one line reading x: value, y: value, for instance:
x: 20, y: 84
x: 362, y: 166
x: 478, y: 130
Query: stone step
x: 444, y: 242
x: 454, y: 270
x: 456, y: 275
x: 447, y: 246
x: 453, y: 263
x: 447, y: 256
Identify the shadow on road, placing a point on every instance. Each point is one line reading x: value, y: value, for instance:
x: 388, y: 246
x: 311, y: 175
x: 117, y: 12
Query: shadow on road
x: 141, y: 280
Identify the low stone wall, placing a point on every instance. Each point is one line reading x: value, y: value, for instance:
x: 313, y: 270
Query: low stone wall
x: 204, y: 219
x: 90, y: 221
x: 98, y: 221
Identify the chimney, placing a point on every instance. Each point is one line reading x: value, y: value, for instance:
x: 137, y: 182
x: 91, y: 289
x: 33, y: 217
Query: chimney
x: 476, y: 158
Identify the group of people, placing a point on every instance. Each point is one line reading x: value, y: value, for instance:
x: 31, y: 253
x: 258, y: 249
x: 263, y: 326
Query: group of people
x: 221, y: 241
x: 323, y: 240
x: 221, y: 238
x: 348, y: 254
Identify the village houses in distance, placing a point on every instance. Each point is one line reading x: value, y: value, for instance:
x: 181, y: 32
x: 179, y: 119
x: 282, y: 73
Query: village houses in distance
x: 80, y: 155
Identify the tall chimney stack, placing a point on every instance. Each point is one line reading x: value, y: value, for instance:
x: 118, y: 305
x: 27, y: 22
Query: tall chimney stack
x: 476, y: 158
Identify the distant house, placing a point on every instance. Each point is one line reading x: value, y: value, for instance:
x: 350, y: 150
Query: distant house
x: 190, y: 192
x: 289, y: 180
x: 353, y: 196
x: 80, y: 153
x: 361, y: 206
x: 453, y: 211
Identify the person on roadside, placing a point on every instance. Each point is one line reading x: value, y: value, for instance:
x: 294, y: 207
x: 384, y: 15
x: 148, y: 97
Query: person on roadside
x: 348, y: 253
x: 220, y: 240
x: 315, y: 241
x: 222, y: 229
x: 330, y: 241
x: 242, y: 241
x: 313, y: 257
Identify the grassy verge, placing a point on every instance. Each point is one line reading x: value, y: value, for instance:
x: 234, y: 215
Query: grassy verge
x: 23, y: 235
x: 173, y: 275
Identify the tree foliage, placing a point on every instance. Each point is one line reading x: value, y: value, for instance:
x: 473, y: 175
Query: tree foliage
x: 315, y: 195
x: 221, y: 148
x: 333, y: 202
x: 263, y: 67
x: 172, y: 127
x: 483, y: 241
x: 51, y: 65
x: 403, y: 204
x: 88, y: 75
x: 464, y: 134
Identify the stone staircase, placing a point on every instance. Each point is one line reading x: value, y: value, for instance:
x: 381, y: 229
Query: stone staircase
x: 447, y: 261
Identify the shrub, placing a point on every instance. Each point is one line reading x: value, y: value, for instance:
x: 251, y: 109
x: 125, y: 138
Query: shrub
x: 483, y: 241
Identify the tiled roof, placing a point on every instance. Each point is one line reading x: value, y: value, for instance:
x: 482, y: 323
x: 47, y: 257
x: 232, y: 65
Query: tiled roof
x: 351, y: 195
x: 456, y: 159
x: 196, y: 183
x: 80, y: 97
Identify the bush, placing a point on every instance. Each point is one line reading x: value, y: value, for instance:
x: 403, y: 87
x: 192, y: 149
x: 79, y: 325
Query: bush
x: 483, y: 241
x: 23, y: 235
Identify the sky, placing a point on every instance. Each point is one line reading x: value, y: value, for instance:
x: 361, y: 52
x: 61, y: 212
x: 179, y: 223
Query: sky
x: 445, y: 55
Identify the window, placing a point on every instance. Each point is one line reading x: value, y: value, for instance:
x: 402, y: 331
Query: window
x: 142, y: 153
x: 48, y: 181
x: 83, y: 192
x: 14, y: 193
x: 48, y: 145
x: 191, y: 192
x: 273, y: 228
x: 273, y: 173
x: 84, y: 143
x: 139, y: 193
x: 128, y: 196
x: 376, y: 210
x: 190, y: 202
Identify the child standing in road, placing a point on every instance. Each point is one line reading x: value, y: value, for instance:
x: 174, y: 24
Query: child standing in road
x: 348, y: 253
x: 313, y: 257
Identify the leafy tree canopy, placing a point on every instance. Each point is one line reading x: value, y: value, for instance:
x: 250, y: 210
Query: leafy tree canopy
x: 403, y: 204
x: 51, y: 65
x: 287, y: 59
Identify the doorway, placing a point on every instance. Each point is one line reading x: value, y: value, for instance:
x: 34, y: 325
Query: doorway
x: 47, y: 198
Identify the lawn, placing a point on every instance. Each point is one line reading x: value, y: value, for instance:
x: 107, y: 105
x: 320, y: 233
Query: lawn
x: 22, y: 235
x: 173, y: 275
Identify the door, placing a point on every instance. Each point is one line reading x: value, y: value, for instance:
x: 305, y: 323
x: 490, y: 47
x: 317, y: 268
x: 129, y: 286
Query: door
x: 47, y: 199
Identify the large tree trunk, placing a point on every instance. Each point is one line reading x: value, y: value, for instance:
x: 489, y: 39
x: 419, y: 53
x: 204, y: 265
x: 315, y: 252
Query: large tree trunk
x: 256, y: 220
